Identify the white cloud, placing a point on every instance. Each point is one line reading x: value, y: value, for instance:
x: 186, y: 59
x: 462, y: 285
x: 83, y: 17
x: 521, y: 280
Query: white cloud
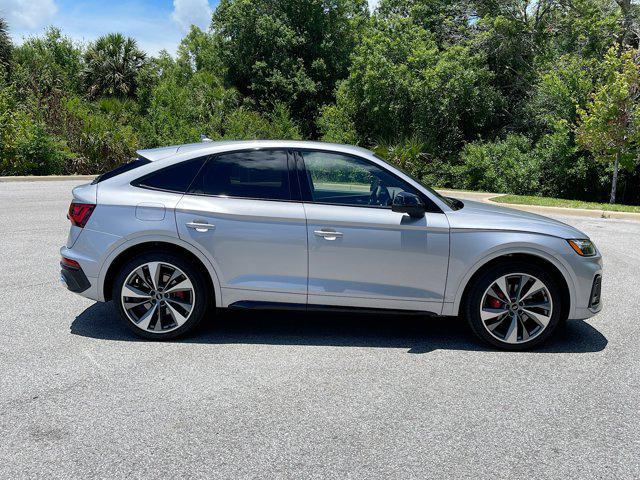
x: 28, y: 13
x: 191, y: 12
x: 373, y: 4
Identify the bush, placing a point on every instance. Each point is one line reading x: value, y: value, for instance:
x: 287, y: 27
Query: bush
x: 181, y: 109
x: 335, y: 125
x: 243, y: 124
x: 505, y: 166
x: 25, y: 146
x: 99, y: 139
x: 410, y: 156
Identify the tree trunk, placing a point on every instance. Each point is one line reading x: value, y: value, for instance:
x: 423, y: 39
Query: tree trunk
x: 614, y: 182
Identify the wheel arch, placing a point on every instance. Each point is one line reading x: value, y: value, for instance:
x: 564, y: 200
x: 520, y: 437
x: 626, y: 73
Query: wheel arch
x: 554, y: 267
x: 124, y: 252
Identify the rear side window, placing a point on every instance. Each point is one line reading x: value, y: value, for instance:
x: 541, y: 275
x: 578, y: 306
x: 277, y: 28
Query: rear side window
x: 135, y: 163
x: 175, y: 178
x: 257, y: 174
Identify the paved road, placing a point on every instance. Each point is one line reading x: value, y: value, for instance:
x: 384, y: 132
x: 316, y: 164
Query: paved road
x: 301, y: 396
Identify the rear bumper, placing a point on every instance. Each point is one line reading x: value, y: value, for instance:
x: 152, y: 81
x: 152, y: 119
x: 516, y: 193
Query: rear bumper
x: 77, y: 280
x: 74, y: 279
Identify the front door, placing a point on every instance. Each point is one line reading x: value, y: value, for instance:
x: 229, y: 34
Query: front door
x: 361, y: 253
x: 239, y: 210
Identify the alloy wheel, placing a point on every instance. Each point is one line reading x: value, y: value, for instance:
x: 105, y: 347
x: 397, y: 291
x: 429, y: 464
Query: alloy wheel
x: 516, y: 308
x: 158, y: 297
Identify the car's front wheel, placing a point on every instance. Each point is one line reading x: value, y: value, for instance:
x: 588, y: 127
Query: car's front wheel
x: 160, y: 295
x: 514, y: 306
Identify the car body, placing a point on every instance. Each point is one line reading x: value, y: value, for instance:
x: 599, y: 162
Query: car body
x: 317, y: 225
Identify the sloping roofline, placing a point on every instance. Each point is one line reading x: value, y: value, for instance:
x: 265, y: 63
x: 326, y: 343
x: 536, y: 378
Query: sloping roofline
x: 154, y: 154
x: 177, y: 153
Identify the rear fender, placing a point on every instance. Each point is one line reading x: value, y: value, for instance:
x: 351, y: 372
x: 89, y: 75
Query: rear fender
x: 129, y: 243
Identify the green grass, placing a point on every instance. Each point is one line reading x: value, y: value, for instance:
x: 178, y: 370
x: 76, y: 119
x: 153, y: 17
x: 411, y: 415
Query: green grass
x: 560, y: 202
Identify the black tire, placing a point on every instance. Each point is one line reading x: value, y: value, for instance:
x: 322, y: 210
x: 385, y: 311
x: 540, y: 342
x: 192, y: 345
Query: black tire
x: 471, y: 308
x: 201, y: 297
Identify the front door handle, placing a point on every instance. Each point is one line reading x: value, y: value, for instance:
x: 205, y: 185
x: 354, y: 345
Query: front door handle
x: 327, y: 234
x: 200, y: 226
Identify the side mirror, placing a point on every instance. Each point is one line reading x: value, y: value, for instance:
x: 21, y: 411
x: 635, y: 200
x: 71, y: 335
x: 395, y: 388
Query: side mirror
x: 405, y: 202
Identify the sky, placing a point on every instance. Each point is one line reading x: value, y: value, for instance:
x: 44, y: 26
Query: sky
x: 155, y: 24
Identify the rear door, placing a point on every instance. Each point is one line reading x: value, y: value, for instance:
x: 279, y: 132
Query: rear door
x: 361, y: 253
x: 245, y: 211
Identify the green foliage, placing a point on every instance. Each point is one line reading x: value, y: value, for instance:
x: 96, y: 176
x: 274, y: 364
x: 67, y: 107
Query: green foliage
x: 562, y: 89
x: 5, y: 47
x: 335, y: 125
x: 112, y: 64
x: 287, y: 51
x: 505, y: 166
x: 47, y: 65
x: 564, y: 171
x: 587, y: 28
x: 182, y: 108
x: 410, y: 157
x: 401, y: 85
x: 610, y: 124
x: 510, y: 95
x: 197, y: 51
x: 448, y: 21
x: 25, y: 146
x: 99, y: 139
x: 242, y: 124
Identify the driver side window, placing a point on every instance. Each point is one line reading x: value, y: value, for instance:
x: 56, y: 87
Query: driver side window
x: 344, y: 180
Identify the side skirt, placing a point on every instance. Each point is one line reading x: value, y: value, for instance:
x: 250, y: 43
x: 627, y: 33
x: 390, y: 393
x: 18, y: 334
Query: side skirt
x: 301, y: 307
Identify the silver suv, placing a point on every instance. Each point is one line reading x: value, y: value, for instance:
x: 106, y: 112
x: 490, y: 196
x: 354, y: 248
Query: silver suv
x: 254, y: 224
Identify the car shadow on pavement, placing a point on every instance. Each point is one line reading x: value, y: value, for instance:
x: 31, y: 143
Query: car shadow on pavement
x: 416, y: 333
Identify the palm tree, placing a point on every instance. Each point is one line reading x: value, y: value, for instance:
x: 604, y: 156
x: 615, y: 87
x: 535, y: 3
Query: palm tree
x: 111, y: 67
x: 5, y: 44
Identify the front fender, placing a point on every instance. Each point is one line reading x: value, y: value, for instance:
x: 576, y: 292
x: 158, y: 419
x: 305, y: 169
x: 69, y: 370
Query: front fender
x: 471, y: 250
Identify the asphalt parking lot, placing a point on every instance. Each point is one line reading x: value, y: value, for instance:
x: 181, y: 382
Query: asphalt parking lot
x: 303, y: 396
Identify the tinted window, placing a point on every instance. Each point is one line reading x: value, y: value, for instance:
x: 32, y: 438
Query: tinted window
x: 346, y: 180
x: 135, y: 163
x: 175, y: 178
x: 260, y: 174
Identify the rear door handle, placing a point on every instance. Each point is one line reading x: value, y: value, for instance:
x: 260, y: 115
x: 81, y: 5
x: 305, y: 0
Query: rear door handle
x: 200, y: 226
x: 327, y: 234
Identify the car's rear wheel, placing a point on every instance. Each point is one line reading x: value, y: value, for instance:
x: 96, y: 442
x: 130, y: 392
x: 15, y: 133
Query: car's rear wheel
x: 160, y: 296
x: 514, y: 306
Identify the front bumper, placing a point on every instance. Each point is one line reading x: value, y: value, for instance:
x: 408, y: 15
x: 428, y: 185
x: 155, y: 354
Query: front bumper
x: 594, y: 304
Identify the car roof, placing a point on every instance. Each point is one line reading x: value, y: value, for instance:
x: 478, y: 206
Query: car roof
x: 210, y: 147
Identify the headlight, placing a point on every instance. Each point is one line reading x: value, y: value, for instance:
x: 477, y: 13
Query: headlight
x: 584, y: 248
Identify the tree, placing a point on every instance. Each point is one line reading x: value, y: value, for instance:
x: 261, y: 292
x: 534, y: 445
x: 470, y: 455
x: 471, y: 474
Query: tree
x: 197, y: 51
x: 288, y: 51
x: 112, y: 64
x: 401, y: 86
x: 448, y: 22
x: 47, y: 64
x: 512, y: 36
x: 630, y: 16
x: 5, y: 45
x: 610, y: 125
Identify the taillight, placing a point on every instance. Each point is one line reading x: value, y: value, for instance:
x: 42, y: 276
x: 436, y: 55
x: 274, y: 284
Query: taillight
x: 79, y: 213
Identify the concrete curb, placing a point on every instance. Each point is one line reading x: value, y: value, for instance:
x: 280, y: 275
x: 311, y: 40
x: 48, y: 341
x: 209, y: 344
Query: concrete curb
x: 47, y: 178
x: 542, y: 210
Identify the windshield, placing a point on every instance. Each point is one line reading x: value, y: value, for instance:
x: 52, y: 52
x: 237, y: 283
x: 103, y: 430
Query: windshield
x: 452, y: 203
